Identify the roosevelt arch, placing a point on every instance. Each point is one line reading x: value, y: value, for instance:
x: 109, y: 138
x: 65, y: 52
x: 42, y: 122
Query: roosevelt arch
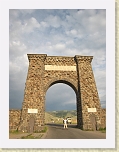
x: 44, y: 71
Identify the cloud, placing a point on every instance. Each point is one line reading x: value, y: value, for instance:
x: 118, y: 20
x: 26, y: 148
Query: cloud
x: 18, y: 28
x: 59, y: 46
x: 60, y: 98
x: 30, y: 25
x: 72, y: 32
x: 103, y: 101
x: 53, y: 21
x: 59, y: 33
x: 26, y: 11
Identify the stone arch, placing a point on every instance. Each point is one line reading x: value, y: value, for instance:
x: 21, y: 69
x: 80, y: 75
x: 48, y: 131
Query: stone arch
x: 64, y: 80
x: 44, y: 71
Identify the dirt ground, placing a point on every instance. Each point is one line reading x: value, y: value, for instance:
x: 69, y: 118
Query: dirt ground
x: 26, y: 135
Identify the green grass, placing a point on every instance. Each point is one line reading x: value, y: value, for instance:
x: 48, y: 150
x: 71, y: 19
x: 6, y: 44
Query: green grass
x: 42, y: 131
x: 30, y: 136
x: 87, y: 129
x: 15, y: 132
x: 103, y: 130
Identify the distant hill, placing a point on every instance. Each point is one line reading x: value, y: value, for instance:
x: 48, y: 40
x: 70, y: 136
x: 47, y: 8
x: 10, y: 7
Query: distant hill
x: 57, y: 116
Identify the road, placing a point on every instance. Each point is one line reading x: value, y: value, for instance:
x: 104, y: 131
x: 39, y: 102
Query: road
x: 56, y: 131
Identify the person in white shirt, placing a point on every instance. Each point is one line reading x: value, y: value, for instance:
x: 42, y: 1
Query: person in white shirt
x: 65, y: 123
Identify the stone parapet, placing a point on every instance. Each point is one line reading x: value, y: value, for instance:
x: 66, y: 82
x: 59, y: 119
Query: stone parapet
x: 60, y: 60
x: 37, y: 56
x: 83, y: 58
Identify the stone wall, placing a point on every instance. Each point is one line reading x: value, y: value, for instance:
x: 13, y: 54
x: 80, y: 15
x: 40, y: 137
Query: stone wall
x: 14, y: 119
x: 103, y: 118
x: 15, y: 115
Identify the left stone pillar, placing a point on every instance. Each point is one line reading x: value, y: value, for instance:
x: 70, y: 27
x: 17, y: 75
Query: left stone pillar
x: 33, y: 106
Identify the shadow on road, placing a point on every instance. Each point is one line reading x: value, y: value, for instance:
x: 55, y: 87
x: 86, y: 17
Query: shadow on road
x: 61, y: 125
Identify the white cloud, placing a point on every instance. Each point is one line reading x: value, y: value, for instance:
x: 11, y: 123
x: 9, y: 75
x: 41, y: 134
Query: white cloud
x: 59, y: 46
x: 72, y: 32
x: 27, y: 11
x: 30, y: 25
x: 14, y: 14
x: 18, y: 28
x: 53, y: 21
x: 14, y: 68
x: 57, y: 32
x: 69, y: 42
x: 44, y: 24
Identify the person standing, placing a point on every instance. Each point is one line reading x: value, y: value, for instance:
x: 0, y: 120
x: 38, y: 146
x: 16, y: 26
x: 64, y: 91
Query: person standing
x: 65, y: 123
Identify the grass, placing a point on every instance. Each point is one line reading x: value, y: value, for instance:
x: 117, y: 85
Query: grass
x: 103, y: 130
x: 42, y: 131
x: 31, y: 136
x: 35, y: 135
x: 87, y: 129
x: 28, y: 137
x: 15, y: 132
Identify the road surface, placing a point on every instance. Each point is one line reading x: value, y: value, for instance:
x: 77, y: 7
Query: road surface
x: 56, y: 131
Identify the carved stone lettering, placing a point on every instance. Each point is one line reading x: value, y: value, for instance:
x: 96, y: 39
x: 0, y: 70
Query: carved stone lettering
x: 92, y: 110
x: 61, y: 68
x: 32, y: 110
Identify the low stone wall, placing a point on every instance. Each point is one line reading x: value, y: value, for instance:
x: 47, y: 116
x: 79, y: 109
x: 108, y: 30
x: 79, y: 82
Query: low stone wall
x: 103, y: 118
x: 14, y: 119
x: 15, y: 116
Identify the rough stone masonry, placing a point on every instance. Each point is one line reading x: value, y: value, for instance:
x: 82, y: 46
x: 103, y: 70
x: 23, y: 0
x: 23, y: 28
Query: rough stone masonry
x: 43, y: 72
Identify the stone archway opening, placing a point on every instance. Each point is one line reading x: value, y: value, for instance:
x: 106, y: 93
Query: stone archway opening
x: 60, y: 101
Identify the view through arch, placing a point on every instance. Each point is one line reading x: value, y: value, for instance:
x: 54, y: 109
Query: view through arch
x: 60, y: 103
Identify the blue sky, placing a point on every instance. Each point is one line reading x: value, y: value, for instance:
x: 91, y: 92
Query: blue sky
x: 59, y: 33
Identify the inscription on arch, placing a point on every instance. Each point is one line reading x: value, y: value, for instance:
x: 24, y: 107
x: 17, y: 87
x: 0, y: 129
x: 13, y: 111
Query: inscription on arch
x: 60, y: 68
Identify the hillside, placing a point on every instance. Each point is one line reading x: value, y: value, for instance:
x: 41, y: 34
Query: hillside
x: 57, y: 116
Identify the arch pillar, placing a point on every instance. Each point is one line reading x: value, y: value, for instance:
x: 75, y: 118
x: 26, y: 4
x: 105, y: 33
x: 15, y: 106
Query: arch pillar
x: 34, y: 96
x: 88, y: 99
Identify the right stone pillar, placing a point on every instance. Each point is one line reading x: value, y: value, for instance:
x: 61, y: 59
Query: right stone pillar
x: 88, y: 101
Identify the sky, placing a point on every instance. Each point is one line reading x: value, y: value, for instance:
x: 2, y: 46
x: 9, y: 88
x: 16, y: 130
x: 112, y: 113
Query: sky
x: 55, y: 32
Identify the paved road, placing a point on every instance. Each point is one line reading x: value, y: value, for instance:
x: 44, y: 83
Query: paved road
x: 56, y: 131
